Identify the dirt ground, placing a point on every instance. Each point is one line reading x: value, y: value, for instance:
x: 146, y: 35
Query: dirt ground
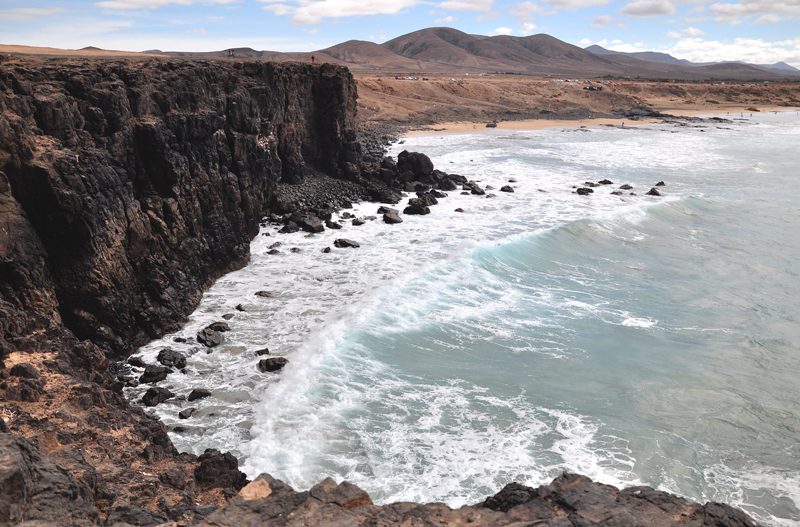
x: 468, y: 99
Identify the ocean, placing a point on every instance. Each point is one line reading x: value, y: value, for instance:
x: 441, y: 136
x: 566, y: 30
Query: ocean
x: 633, y: 339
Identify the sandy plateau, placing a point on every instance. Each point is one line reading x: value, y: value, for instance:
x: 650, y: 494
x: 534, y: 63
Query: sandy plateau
x: 469, y: 102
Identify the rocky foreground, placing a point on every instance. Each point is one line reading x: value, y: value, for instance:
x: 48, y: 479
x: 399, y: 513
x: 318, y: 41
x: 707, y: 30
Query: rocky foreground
x: 126, y: 189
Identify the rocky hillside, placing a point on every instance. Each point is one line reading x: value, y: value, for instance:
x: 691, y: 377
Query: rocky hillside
x: 131, y: 186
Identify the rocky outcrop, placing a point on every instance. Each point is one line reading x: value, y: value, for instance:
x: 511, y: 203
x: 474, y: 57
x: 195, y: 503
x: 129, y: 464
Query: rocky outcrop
x: 569, y: 501
x: 128, y: 187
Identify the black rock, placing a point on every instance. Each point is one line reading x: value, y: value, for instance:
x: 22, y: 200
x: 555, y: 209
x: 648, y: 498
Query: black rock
x: 198, y: 393
x: 447, y: 184
x: 606, y: 182
x: 239, y: 307
x: 617, y: 193
x: 228, y: 316
x: 217, y: 470
x: 343, y: 242
x: 262, y: 351
x: 25, y: 370
x: 426, y: 199
x: 392, y: 217
x: 584, y: 191
x: 274, y: 245
x: 273, y: 251
x: 171, y: 358
x: 661, y: 184
x: 384, y: 210
x: 459, y: 210
x: 132, y: 515
x: 219, y: 326
x: 326, y: 250
x: 180, y: 340
x: 289, y: 228
x: 509, y: 497
x: 332, y: 224
x: 506, y: 188
x: 652, y: 192
x: 210, y: 338
x: 415, y: 207
x: 272, y: 364
x: 311, y: 224
x: 137, y: 362
x: 186, y: 414
x: 155, y: 396
x: 626, y: 187
x: 263, y: 294
x: 154, y: 374
x: 295, y: 249
x: 436, y: 194
x: 590, y: 184
x: 358, y: 221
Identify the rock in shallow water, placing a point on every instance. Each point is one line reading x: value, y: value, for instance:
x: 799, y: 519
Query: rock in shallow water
x: 272, y: 364
x: 343, y: 242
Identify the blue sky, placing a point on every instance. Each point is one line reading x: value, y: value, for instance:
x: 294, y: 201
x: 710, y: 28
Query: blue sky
x: 759, y: 31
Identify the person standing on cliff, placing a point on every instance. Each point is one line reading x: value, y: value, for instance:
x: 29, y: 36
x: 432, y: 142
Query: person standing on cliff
x: 312, y: 59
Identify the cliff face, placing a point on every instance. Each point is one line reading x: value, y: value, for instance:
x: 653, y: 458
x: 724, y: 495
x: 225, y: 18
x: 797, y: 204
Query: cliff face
x: 129, y: 187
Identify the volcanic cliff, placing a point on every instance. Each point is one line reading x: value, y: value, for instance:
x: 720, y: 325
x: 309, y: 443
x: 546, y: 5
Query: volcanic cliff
x: 126, y: 188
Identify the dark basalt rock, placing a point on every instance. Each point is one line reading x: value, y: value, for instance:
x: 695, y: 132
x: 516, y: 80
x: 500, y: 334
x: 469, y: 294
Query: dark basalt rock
x: 661, y: 184
x: 210, y: 338
x: 25, y: 370
x: 311, y: 224
x: 289, y: 228
x: 415, y: 207
x: 198, y: 393
x: 509, y: 497
x: 228, y: 316
x: 426, y: 199
x: 272, y: 364
x: 617, y: 193
x: 506, y: 188
x: 263, y: 294
x: 343, y: 242
x: 591, y: 184
x: 132, y: 515
x: 219, y: 326
x: 626, y: 187
x: 261, y: 352
x: 447, y: 184
x: 358, y: 221
x: 459, y: 210
x: 653, y: 192
x: 137, y: 362
x: 584, y: 191
x: 332, y: 224
x: 154, y: 374
x: 219, y: 470
x: 326, y: 250
x: 392, y: 217
x: 384, y: 210
x: 172, y: 358
x: 606, y: 182
x: 414, y: 163
x: 186, y: 413
x: 155, y: 396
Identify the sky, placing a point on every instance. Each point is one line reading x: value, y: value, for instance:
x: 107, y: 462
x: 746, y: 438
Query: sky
x: 756, y: 31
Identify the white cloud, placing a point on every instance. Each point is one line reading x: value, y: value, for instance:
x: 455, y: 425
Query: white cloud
x: 310, y: 12
x: 743, y: 49
x: 673, y: 34
x: 501, y: 31
x: 215, y: 17
x: 466, y: 5
x: 695, y: 20
x: 525, y: 10
x: 693, y: 32
x: 445, y: 20
x: 199, y: 31
x: 528, y: 28
x: 585, y: 42
x: 627, y: 48
x: 602, y: 43
x: 768, y: 19
x: 27, y: 14
x: 602, y: 21
x: 490, y: 15
x: 563, y: 5
x: 317, y: 30
x: 616, y: 42
x: 747, y: 8
x: 648, y: 8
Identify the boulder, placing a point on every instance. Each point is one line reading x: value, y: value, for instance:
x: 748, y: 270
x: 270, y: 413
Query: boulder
x: 186, y: 413
x: 263, y: 294
x: 210, y: 338
x: 653, y: 192
x: 156, y: 396
x: 217, y: 470
x: 343, y: 242
x: 332, y: 224
x: 261, y: 352
x: 506, y: 188
x: 384, y: 210
x: 25, y: 370
x: 426, y: 199
x: 447, y: 184
x: 606, y: 182
x: 584, y: 191
x: 272, y: 364
x: 415, y: 207
x: 626, y: 187
x: 311, y: 223
x: 661, y: 184
x: 171, y: 358
x: 154, y: 374
x: 358, y: 221
x: 198, y: 393
x: 132, y: 515
x: 415, y: 162
x: 392, y: 217
x: 289, y: 228
x: 219, y: 326
x: 326, y: 250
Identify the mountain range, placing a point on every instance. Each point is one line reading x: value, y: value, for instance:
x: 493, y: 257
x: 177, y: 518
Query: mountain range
x: 447, y: 50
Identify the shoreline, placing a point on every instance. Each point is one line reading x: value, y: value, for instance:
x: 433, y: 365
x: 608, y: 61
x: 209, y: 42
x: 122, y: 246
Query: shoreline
x: 460, y: 127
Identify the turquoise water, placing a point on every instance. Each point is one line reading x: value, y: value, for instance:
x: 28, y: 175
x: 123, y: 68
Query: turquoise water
x: 634, y: 339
